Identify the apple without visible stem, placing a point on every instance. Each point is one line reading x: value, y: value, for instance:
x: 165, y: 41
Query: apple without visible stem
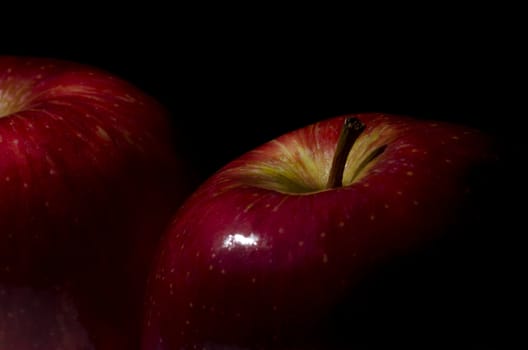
x: 305, y: 243
x: 89, y: 176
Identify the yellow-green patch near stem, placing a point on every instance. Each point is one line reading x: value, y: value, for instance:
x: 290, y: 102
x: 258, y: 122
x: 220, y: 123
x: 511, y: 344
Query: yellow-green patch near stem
x: 302, y: 169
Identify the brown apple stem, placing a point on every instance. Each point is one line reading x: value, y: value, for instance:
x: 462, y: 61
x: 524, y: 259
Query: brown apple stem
x: 352, y: 128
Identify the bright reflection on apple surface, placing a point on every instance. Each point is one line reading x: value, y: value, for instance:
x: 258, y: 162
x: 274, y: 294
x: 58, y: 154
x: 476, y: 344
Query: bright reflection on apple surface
x: 238, y: 239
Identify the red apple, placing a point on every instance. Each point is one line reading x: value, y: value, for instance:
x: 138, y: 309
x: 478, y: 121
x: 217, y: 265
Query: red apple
x: 276, y: 250
x: 89, y: 176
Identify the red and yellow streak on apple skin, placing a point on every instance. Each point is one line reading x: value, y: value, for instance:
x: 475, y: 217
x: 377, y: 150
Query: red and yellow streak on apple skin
x: 89, y: 178
x: 261, y: 250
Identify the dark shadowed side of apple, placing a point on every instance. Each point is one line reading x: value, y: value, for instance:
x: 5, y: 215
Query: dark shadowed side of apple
x: 266, y: 255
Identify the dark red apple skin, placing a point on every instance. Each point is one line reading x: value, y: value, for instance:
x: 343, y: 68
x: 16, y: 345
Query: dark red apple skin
x: 89, y: 177
x: 245, y: 267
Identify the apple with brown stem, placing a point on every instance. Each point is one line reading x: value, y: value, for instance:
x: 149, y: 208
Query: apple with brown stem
x: 89, y: 177
x: 299, y: 244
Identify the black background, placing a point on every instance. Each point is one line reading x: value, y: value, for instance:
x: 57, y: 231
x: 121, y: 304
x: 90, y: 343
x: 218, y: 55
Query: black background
x: 234, y: 78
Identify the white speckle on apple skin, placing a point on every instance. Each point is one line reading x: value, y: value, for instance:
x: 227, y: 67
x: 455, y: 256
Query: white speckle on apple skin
x: 248, y: 207
x: 103, y: 134
x: 276, y: 208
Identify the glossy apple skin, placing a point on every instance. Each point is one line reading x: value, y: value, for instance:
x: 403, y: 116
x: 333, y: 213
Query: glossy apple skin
x: 89, y: 177
x: 245, y: 264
